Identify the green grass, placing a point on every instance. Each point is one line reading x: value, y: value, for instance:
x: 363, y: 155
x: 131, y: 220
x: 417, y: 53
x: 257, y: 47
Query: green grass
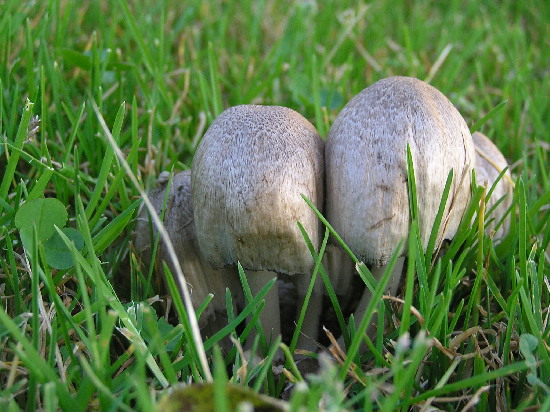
x: 93, y: 337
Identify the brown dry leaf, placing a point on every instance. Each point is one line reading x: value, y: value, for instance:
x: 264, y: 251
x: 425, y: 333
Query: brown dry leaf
x: 338, y: 354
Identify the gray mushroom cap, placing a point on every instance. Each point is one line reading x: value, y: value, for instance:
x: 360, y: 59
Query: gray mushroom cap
x: 249, y: 172
x: 366, y: 165
x: 178, y: 221
x: 490, y: 162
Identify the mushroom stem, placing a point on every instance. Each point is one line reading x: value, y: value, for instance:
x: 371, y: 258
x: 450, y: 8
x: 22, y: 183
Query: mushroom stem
x: 391, y: 289
x: 270, y: 316
x: 395, y: 277
x: 310, y: 325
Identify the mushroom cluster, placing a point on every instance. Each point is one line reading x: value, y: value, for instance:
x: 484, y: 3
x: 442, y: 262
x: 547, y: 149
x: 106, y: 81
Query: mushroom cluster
x: 255, y: 163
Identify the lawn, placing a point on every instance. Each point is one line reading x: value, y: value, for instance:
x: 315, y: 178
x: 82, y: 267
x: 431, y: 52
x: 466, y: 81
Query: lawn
x: 98, y: 98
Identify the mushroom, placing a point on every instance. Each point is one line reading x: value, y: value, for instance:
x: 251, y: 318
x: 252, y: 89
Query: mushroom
x: 489, y: 164
x: 178, y: 221
x: 367, y: 199
x: 249, y: 172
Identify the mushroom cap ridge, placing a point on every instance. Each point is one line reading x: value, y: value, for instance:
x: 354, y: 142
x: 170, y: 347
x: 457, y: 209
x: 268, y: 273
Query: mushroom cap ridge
x: 248, y: 174
x: 366, y: 165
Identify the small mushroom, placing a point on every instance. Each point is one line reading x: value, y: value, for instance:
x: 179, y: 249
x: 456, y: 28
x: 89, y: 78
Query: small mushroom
x: 490, y: 162
x: 249, y: 172
x: 366, y: 169
x: 178, y: 221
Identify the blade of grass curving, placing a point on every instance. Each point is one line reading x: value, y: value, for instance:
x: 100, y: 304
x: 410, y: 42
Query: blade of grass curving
x: 542, y: 279
x: 291, y: 365
x: 328, y: 286
x: 38, y: 188
x: 114, y: 228
x: 255, y: 322
x: 331, y: 229
x: 9, y: 172
x: 86, y: 310
x: 475, y: 296
x: 464, y: 230
x: 380, y: 360
x: 317, y: 260
x: 511, y: 308
x: 430, y: 248
x: 220, y: 381
x: 248, y: 332
x: 434, y: 284
x: 204, y: 304
x: 247, y: 311
x: 11, y: 274
x: 409, y: 281
x: 477, y: 125
x: 495, y: 291
x: 422, y: 272
x: 75, y: 125
x: 267, y: 365
x: 105, y: 170
x: 113, y: 187
x: 169, y: 247
x: 184, y: 316
x: 411, y: 184
x: 375, y: 300
x: 480, y: 379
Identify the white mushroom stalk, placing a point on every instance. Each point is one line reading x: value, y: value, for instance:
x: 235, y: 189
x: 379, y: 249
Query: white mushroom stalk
x: 367, y: 200
x: 249, y: 172
x: 490, y: 163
